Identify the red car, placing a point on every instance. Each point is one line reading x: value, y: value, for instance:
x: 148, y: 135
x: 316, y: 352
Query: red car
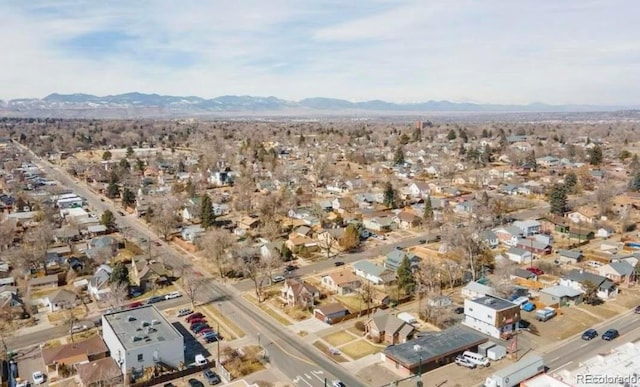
x: 194, y: 316
x: 535, y: 270
x: 135, y: 305
x: 197, y: 321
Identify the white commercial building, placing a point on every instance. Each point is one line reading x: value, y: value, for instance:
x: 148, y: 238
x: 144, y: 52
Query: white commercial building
x: 618, y: 367
x: 141, y: 338
x: 491, y: 315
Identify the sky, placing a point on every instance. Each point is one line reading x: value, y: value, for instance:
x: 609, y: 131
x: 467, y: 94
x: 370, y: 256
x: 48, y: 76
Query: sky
x: 483, y: 51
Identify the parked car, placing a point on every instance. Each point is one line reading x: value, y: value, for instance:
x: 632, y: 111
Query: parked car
x: 212, y: 339
x: 38, y: 377
x: 535, y: 270
x: 458, y: 310
x: 195, y: 383
x: 134, y: 305
x: 277, y: 279
x: 200, y: 360
x: 197, y: 320
x: 337, y: 383
x: 157, y: 243
x: 422, y: 241
x: 76, y: 328
x: 338, y: 263
x: 120, y: 213
x: 172, y: 295
x: 205, y: 331
x: 194, y: 315
x: 155, y: 299
x: 184, y: 312
x: 291, y: 268
x: 610, y: 334
x: 589, y: 334
x: 594, y: 264
x: 169, y: 385
x: 637, y: 310
x: 464, y: 362
x: 211, y: 377
x: 200, y: 328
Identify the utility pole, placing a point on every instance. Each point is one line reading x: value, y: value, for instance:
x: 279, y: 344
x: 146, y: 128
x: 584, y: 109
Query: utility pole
x: 419, y: 382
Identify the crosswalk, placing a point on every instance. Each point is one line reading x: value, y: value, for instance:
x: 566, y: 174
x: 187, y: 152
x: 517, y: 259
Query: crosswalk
x: 310, y: 379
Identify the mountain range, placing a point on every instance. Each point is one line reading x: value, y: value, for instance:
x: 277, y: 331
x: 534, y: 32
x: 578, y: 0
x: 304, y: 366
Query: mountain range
x: 154, y: 105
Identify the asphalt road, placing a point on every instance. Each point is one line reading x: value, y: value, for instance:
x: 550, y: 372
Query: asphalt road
x: 285, y: 350
x: 571, y: 352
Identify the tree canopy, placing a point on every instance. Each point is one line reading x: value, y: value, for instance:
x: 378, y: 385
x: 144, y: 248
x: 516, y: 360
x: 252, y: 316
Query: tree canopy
x: 207, y: 216
x: 108, y: 219
x: 119, y: 275
x: 406, y: 281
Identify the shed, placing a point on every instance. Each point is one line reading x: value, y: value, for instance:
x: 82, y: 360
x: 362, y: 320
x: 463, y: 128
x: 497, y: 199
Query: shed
x: 483, y: 348
x: 407, y: 317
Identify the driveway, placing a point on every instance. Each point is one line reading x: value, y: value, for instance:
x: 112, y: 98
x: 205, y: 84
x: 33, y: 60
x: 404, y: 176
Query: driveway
x: 30, y: 360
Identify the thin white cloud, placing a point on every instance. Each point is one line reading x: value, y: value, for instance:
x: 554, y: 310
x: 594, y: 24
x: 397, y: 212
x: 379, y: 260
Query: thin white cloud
x: 490, y: 51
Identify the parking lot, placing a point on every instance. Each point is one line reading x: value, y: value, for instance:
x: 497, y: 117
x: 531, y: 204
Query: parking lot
x: 192, y: 346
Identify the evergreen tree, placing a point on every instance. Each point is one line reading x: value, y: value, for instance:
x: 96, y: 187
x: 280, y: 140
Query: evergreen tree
x: 119, y: 275
x: 634, y: 183
x: 595, y: 155
x: 207, y: 217
x: 389, y: 195
x: 427, y: 215
x: 107, y: 219
x: 558, y: 200
x: 406, y: 281
x: 128, y: 198
x: 484, y: 134
x: 570, y: 181
x: 106, y: 155
x: 398, y: 157
x: 531, y: 160
x: 417, y: 135
x: 634, y: 165
x: 129, y: 151
x: 452, y: 135
x: 113, y: 190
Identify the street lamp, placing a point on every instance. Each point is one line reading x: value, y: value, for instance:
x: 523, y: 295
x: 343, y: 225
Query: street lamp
x: 258, y: 339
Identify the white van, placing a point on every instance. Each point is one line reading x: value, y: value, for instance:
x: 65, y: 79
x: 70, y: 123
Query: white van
x: 476, y: 358
x: 200, y: 360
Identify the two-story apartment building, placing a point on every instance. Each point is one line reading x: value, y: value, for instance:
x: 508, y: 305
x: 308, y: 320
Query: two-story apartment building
x: 491, y: 315
x: 141, y: 338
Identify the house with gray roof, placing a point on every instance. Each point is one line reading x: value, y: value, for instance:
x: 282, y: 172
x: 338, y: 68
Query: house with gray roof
x: 519, y: 255
x: 576, y: 279
x: 570, y: 256
x: 561, y: 295
x: 98, y: 285
x: 528, y: 227
x: 377, y: 275
x: 619, y: 272
x: 387, y: 328
x: 432, y: 350
x: 395, y: 257
x: 476, y: 290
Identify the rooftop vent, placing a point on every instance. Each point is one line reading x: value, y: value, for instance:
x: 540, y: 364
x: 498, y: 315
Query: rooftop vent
x: 131, y: 318
x: 489, y: 301
x: 145, y: 324
x: 135, y: 338
x: 417, y: 347
x: 155, y: 322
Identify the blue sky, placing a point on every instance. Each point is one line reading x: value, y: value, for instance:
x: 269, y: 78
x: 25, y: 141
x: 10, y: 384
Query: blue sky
x: 489, y: 51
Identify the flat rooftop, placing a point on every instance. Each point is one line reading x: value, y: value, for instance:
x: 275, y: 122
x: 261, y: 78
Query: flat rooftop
x: 494, y: 302
x: 141, y: 327
x: 622, y: 362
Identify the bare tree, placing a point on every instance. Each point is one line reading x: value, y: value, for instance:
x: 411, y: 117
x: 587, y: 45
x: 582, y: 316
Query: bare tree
x: 40, y: 238
x: 192, y: 283
x: 250, y: 261
x: 467, y: 241
x: 117, y: 295
x: 327, y: 242
x: 367, y: 293
x: 215, y: 245
x: 503, y: 269
x: 164, y: 216
x: 603, y: 195
x: 7, y: 233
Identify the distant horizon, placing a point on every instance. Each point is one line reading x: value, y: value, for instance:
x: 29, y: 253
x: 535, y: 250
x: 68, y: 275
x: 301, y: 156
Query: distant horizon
x: 576, y: 52
x: 479, y: 103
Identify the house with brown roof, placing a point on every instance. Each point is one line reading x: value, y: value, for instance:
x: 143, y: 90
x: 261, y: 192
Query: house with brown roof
x: 296, y: 292
x: 249, y: 222
x: 297, y: 243
x: 46, y: 282
x: 342, y: 281
x: 407, y: 219
x: 148, y: 274
x: 100, y: 373
x: 331, y: 313
x: 72, y: 354
x: 389, y: 329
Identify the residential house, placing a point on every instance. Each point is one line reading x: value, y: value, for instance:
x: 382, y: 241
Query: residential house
x: 581, y: 234
x: 519, y: 255
x: 521, y: 273
x: 560, y: 295
x: 192, y: 233
x: 61, y: 299
x: 620, y: 272
x: 149, y: 274
x: 249, y: 222
x: 570, y: 256
x: 389, y: 329
x: 46, y: 282
x: 394, y: 259
x: 465, y: 207
x: 548, y: 161
x: 528, y: 227
x: 546, y: 239
x: 534, y: 246
x: 297, y: 243
x: 490, y: 239
x: 11, y: 302
x: 192, y: 209
x: 407, y: 220
x: 508, y: 235
x: 100, y: 373
x: 491, y: 315
x: 382, y: 223
x: 98, y: 285
x: 342, y: 281
x: 477, y: 290
x: 605, y: 232
x: 344, y: 204
x: 419, y: 189
x: 580, y: 217
x: 576, y: 278
x: 272, y: 249
x: 221, y: 178
x: 330, y: 238
x: 72, y: 354
x: 295, y: 292
x: 377, y: 275
x: 331, y: 313
x: 102, y: 248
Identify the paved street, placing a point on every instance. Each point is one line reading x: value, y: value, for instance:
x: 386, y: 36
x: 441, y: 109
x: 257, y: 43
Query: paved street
x: 286, y: 351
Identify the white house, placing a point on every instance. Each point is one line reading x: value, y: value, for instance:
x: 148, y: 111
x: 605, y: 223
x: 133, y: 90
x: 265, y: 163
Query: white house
x: 491, y: 315
x: 519, y: 255
x: 508, y: 235
x: 528, y: 227
x: 141, y: 338
x: 98, y: 285
x: 576, y: 279
x: 477, y: 290
x: 377, y: 275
